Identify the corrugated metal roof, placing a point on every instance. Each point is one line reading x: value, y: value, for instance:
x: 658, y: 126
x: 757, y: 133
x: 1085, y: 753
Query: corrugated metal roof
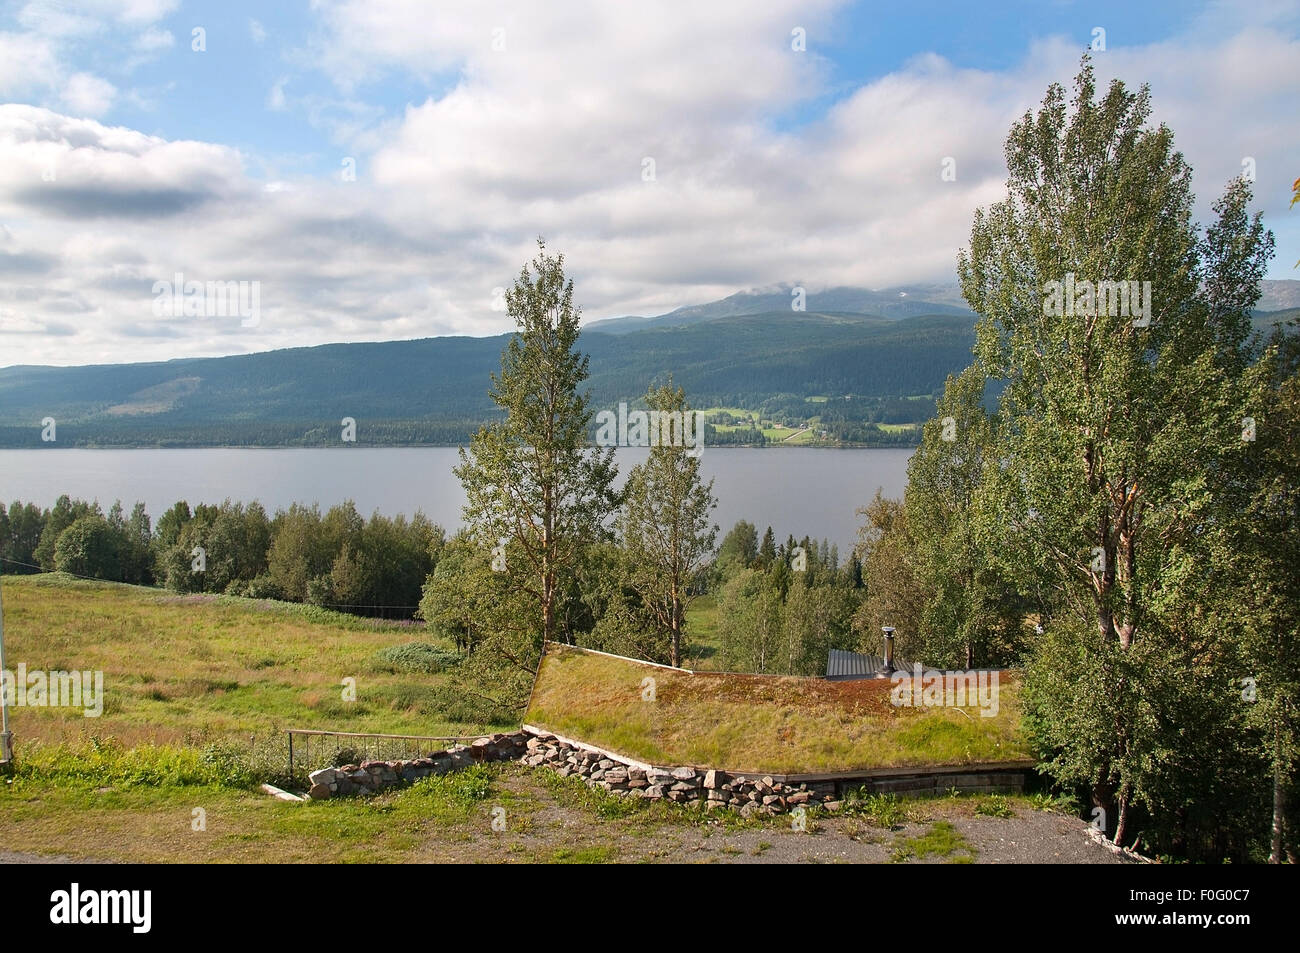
x: 846, y: 665
x: 841, y: 664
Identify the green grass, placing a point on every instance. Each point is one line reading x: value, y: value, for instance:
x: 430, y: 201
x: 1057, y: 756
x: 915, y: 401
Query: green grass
x: 753, y: 723
x: 199, y: 670
x: 584, y: 855
x: 995, y: 806
x: 941, y: 840
x: 883, y: 810
x: 702, y: 638
x: 116, y: 819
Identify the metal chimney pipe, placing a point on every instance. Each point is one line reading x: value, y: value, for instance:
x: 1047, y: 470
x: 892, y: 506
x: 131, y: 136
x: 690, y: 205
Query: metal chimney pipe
x: 889, y: 649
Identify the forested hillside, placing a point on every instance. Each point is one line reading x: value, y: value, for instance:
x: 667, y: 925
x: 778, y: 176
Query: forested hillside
x: 433, y: 391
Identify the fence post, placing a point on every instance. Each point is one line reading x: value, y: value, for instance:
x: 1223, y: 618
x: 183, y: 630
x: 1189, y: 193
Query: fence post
x: 290, y: 734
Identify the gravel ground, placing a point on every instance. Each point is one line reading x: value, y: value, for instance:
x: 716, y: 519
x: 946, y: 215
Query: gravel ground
x: 550, y: 823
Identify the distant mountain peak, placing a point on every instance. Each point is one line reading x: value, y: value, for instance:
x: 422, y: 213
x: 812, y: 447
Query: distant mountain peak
x: 898, y: 301
x: 889, y: 303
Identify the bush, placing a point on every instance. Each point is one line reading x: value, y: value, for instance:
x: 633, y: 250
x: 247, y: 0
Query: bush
x: 415, y: 657
x: 262, y: 587
x: 88, y: 547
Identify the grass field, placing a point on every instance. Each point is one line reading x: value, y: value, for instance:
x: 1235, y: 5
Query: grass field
x: 702, y: 641
x: 776, y: 434
x: 203, y: 669
x: 761, y: 723
x: 167, y: 773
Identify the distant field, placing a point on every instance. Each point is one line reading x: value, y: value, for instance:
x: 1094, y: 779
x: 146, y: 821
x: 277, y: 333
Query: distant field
x: 751, y: 415
x: 195, y: 669
x: 761, y: 723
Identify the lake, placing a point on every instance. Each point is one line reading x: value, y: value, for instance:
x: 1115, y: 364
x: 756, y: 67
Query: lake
x: 803, y: 491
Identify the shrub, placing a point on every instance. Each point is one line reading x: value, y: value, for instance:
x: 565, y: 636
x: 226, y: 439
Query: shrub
x: 415, y: 657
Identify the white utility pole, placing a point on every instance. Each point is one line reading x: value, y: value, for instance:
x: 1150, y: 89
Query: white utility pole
x: 6, y: 736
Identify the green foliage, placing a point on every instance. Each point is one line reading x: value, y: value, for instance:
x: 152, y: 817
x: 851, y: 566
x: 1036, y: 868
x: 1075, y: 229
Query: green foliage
x: 665, y: 522
x: 750, y: 617
x: 88, y: 547
x: 1120, y: 475
x: 994, y: 806
x: 896, y: 594
x: 785, y: 614
x: 970, y: 616
x: 21, y: 528
x: 536, y: 495
x: 415, y: 657
x: 64, y: 513
x: 105, y: 763
x: 611, y: 607
x: 739, y: 549
x: 884, y: 810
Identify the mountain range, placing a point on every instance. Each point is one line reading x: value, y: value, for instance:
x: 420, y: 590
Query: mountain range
x: 854, y: 357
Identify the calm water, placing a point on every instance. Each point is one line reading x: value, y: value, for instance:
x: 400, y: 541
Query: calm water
x: 795, y: 490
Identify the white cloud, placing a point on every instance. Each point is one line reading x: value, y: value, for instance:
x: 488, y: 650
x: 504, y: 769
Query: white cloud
x: 275, y: 98
x: 154, y: 39
x: 88, y: 95
x: 548, y: 136
x: 27, y: 63
x: 135, y: 12
x: 256, y: 31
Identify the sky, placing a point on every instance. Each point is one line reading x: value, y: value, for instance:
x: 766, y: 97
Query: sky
x: 381, y: 169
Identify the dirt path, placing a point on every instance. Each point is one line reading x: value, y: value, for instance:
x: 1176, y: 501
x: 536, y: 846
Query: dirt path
x: 541, y: 826
x: 523, y: 815
x: 18, y: 857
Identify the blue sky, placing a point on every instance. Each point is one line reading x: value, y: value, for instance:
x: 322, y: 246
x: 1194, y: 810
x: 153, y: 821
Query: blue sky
x: 127, y: 156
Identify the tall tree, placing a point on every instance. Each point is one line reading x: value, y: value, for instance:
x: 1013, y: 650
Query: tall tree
x: 739, y: 549
x: 665, y: 522
x: 1118, y: 411
x: 767, y: 550
x: 531, y: 483
x: 896, y: 595
x: 1258, y: 585
x: 970, y: 618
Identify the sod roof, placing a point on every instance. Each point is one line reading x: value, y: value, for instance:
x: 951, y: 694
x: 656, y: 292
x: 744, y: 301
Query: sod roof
x: 763, y: 723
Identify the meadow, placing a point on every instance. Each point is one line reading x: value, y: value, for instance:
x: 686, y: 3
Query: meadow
x: 202, y: 669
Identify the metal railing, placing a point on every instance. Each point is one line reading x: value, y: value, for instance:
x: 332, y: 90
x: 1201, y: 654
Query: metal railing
x: 371, y: 745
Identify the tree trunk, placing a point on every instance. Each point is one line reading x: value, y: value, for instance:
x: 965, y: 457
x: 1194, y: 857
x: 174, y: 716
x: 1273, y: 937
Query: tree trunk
x: 1121, y: 828
x: 1103, y: 796
x: 548, y: 607
x: 1278, y: 845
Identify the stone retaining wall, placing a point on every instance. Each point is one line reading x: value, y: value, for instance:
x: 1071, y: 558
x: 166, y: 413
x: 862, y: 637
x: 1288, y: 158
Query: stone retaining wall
x: 683, y: 785
x: 717, y: 790
x: 377, y: 775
